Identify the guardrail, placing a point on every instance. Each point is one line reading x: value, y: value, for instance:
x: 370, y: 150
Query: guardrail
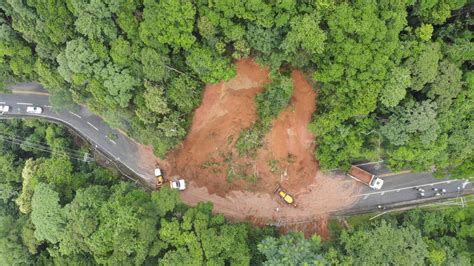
x: 124, y: 170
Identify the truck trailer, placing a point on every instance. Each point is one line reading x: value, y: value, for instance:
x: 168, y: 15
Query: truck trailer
x: 365, y: 177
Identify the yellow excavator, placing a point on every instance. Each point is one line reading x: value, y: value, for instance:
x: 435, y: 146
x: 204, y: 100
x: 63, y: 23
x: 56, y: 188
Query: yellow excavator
x: 285, y: 196
x: 159, y: 177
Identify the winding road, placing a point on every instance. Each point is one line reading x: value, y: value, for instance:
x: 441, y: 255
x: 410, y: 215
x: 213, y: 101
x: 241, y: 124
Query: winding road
x: 117, y: 146
x: 398, y: 188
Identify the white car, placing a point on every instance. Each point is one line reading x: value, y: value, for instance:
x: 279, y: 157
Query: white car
x: 179, y: 185
x: 34, y: 110
x: 4, y: 108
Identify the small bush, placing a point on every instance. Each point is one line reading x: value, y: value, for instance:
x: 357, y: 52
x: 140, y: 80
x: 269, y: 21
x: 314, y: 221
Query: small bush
x: 250, y: 140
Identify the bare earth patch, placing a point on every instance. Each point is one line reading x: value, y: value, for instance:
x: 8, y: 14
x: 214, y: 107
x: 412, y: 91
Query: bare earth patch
x: 242, y: 187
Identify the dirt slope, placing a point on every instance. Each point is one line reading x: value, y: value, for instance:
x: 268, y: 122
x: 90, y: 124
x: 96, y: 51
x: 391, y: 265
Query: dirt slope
x: 287, y: 156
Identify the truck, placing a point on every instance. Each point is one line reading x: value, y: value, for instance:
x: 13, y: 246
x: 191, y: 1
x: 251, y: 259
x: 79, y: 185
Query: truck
x: 365, y: 177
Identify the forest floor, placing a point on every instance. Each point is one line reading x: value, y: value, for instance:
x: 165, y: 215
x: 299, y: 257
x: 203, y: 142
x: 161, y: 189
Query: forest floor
x: 242, y: 187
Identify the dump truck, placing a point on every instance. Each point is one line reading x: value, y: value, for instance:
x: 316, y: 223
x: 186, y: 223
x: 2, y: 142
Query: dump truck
x: 365, y: 177
x: 285, y: 196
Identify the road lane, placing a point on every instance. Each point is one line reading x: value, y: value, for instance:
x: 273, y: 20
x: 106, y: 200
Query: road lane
x: 401, y: 187
x: 88, y: 125
x: 397, y: 188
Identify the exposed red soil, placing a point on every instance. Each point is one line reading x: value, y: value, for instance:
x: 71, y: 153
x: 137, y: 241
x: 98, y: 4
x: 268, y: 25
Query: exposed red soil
x: 287, y: 157
x: 227, y: 108
x: 290, y: 143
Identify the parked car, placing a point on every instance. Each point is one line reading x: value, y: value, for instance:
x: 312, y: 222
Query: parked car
x: 178, y: 184
x: 34, y: 110
x: 4, y: 108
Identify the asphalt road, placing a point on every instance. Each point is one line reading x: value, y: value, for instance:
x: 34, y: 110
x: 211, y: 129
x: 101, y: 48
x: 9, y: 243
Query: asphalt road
x: 124, y: 151
x: 119, y: 148
x: 402, y: 187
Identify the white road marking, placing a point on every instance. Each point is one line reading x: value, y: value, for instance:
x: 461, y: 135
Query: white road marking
x: 47, y: 106
x: 111, y: 140
x: 366, y: 196
x: 465, y: 184
x: 24, y: 103
x: 383, y: 192
x: 75, y: 114
x: 2, y: 102
x: 398, y: 190
x: 405, y: 188
x: 93, y: 126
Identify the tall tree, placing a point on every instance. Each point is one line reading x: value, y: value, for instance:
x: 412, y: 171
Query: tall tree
x: 46, y: 214
x: 292, y: 249
x: 384, y: 244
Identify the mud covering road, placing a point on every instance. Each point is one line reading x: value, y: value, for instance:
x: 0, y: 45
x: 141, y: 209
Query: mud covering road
x: 208, y: 155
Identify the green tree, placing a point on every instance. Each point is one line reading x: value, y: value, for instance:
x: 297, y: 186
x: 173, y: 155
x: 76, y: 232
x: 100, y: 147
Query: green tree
x: 155, y: 99
x: 28, y: 237
x: 203, y: 238
x: 11, y: 177
x: 120, y: 51
x: 424, y: 32
x: 12, y: 252
x: 29, y: 177
x: 126, y: 217
x: 209, y: 67
x: 155, y: 65
x: 384, y: 244
x: 119, y: 84
x: 395, y: 89
x: 166, y: 200
x: 410, y: 121
x: 82, y: 216
x: 168, y: 22
x: 275, y: 98
x: 95, y: 18
x: 436, y: 11
x: 46, y: 214
x: 58, y: 170
x: 78, y: 56
x: 353, y: 69
x: 423, y: 63
x: 292, y: 249
x: 447, y: 84
x: 185, y: 93
x: 306, y: 36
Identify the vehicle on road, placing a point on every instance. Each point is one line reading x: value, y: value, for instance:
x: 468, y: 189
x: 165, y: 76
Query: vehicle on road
x: 159, y: 177
x: 365, y: 177
x: 179, y: 184
x: 34, y: 110
x: 285, y: 196
x: 4, y: 108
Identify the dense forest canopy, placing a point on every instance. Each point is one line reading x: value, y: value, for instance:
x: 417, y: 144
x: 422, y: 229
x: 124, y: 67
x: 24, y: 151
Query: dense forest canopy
x: 56, y: 209
x: 395, y: 77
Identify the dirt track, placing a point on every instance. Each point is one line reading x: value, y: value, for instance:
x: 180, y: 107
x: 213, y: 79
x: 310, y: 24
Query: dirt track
x: 287, y: 156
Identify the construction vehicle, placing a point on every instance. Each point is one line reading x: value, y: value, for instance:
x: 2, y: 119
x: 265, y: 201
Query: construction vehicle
x: 365, y: 177
x: 285, y: 196
x: 159, y: 177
